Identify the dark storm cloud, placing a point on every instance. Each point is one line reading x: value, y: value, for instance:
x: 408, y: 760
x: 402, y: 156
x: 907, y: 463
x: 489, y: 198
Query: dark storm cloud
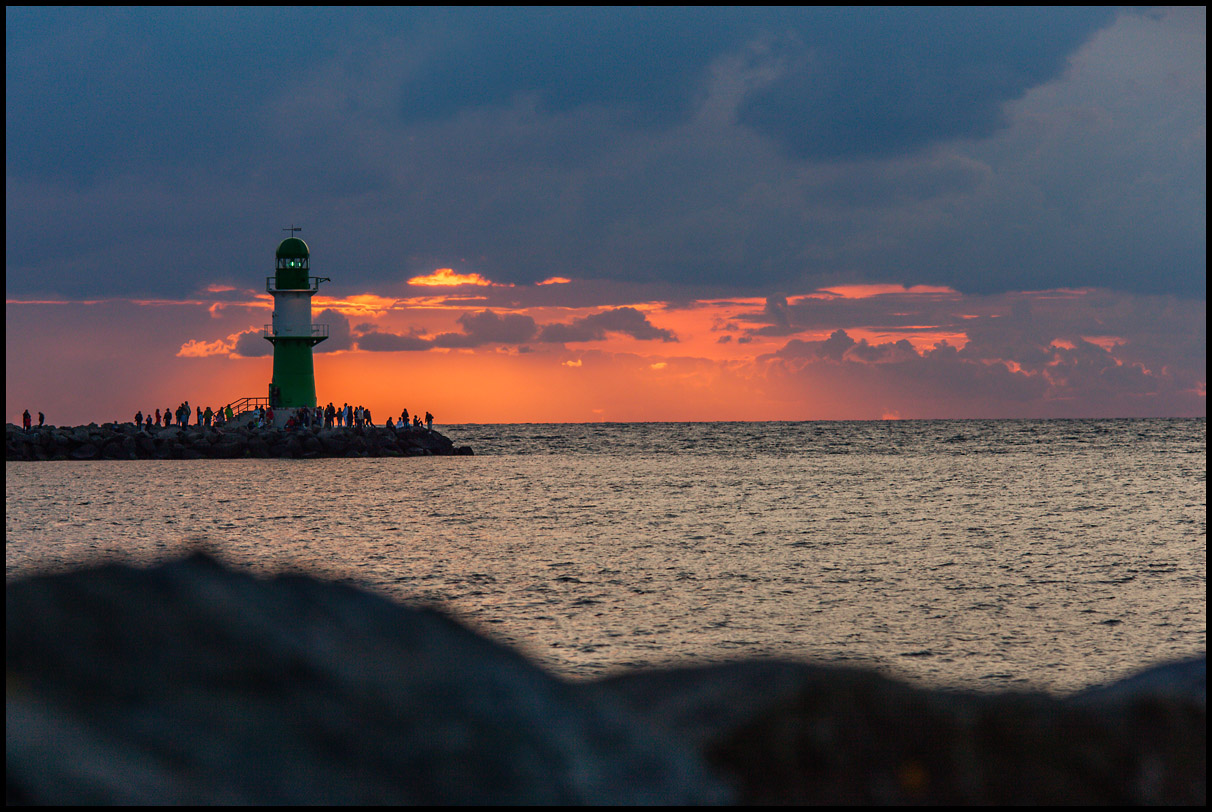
x: 488, y: 327
x: 153, y: 151
x: 115, y: 86
x: 340, y: 337
x: 889, y: 311
x: 1150, y: 344
x: 89, y: 92
x: 479, y: 329
x: 952, y: 381
x: 841, y: 347
x: 252, y: 344
x: 376, y: 341
x: 891, y: 80
x: 779, y: 316
x: 625, y: 320
x: 834, y: 347
x: 848, y: 82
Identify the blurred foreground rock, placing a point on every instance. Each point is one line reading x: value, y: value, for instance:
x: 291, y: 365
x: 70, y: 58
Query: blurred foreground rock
x: 193, y: 683
x: 786, y: 733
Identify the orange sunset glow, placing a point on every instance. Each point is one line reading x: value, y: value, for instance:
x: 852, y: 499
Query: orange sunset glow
x: 847, y: 352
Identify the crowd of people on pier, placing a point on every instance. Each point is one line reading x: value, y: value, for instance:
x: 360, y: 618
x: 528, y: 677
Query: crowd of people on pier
x: 329, y: 416
x: 357, y: 416
x: 181, y: 416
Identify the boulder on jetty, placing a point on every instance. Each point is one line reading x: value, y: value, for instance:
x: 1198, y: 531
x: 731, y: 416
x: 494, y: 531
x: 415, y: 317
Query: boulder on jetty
x: 194, y: 683
x: 125, y: 441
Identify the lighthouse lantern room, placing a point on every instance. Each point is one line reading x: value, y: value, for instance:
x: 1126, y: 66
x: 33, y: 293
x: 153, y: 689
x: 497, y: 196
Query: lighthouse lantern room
x: 292, y: 332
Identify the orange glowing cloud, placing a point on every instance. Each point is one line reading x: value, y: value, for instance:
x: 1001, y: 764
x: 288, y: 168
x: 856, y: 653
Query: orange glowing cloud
x: 53, y: 301
x: 867, y: 291
x: 1108, y: 343
x: 448, y: 278
x: 204, y: 349
x: 363, y: 304
x: 555, y: 280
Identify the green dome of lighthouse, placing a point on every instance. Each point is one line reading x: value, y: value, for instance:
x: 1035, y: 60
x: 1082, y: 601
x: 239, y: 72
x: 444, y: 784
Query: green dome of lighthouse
x: 293, y: 265
x: 293, y: 248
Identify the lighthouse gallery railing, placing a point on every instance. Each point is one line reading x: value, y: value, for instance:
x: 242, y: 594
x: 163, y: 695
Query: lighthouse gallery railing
x: 317, y: 331
x: 313, y: 283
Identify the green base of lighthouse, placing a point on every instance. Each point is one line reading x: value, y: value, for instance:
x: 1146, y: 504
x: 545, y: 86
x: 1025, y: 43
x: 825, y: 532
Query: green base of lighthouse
x: 294, y: 381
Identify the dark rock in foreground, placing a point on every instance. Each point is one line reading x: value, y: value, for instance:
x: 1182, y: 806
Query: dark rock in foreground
x: 192, y: 683
x: 787, y: 733
x: 123, y: 441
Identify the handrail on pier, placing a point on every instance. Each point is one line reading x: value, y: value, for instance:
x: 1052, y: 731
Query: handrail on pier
x: 239, y: 407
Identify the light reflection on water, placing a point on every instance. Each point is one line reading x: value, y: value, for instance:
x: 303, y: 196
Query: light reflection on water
x: 969, y: 554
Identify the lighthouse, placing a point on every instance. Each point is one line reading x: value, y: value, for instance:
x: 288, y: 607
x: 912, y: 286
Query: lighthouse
x: 292, y: 332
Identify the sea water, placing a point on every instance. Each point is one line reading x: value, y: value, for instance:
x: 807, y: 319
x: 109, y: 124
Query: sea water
x: 986, y: 555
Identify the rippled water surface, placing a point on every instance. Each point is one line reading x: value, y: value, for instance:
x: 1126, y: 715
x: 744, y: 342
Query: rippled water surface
x: 972, y: 554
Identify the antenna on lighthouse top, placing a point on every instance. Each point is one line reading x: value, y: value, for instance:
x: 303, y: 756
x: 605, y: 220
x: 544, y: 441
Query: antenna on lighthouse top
x: 293, y: 229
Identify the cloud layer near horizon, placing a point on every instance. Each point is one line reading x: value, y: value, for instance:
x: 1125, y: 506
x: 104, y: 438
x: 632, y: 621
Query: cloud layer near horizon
x: 861, y: 352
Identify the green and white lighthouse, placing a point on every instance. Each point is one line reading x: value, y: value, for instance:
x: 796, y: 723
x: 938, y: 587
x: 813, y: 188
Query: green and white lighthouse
x: 292, y: 332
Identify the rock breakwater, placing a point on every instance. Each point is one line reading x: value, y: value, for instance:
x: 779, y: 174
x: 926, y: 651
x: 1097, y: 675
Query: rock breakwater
x: 123, y: 441
x: 191, y: 682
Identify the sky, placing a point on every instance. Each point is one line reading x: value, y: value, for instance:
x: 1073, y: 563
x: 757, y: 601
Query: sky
x: 588, y: 214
